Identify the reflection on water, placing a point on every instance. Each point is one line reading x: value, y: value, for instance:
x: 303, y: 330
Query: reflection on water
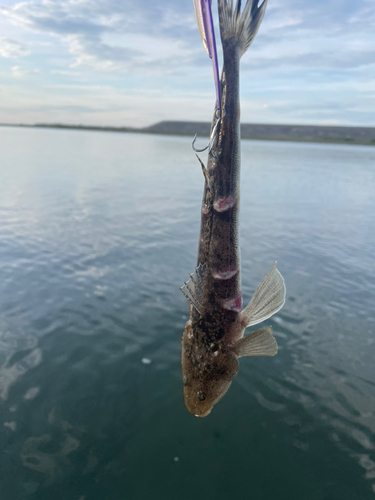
x: 36, y: 454
x: 18, y: 354
x: 97, y: 232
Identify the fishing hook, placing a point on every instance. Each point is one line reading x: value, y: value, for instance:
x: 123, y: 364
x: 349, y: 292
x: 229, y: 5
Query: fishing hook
x: 212, y: 137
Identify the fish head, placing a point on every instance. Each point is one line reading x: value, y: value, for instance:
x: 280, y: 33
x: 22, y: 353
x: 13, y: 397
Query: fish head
x: 207, y: 374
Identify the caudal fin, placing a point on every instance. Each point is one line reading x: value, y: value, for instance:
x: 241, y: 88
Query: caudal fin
x: 240, y: 26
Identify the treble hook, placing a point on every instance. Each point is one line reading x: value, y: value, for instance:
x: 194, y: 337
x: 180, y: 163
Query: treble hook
x: 212, y: 137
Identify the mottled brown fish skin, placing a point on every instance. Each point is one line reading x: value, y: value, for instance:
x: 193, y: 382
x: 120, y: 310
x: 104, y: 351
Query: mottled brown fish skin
x: 208, y: 364
x: 208, y: 370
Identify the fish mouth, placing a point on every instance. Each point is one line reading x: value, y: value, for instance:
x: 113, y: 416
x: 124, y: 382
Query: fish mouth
x: 202, y: 415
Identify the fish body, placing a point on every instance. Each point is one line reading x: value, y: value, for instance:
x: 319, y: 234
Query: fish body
x: 213, y: 338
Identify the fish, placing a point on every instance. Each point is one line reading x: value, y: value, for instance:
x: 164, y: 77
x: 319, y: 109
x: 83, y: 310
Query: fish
x: 213, y: 339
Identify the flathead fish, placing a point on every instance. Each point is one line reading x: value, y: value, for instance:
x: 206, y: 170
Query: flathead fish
x: 214, y: 339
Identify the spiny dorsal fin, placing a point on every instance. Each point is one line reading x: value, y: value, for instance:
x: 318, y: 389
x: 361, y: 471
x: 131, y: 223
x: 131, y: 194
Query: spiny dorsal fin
x: 193, y: 289
x: 268, y: 298
x: 259, y: 343
x: 242, y: 27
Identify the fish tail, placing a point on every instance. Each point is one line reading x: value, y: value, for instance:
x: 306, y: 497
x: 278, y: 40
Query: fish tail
x: 240, y: 27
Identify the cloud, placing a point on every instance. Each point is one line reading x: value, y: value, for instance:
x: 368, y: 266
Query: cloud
x: 309, y: 60
x: 135, y: 28
x: 315, y: 35
x: 90, y: 51
x: 12, y: 49
x: 107, y: 35
x: 19, y: 72
x: 97, y: 105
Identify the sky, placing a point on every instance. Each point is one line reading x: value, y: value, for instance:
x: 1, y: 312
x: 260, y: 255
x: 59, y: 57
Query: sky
x: 134, y: 63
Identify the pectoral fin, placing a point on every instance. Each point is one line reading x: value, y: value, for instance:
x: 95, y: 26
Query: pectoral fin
x: 193, y: 288
x: 268, y: 298
x: 259, y: 343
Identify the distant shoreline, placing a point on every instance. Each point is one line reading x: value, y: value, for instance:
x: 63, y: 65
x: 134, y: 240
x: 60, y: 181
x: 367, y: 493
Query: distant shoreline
x: 265, y: 132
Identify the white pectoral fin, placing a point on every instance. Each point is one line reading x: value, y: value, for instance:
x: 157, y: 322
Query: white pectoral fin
x: 268, y: 298
x: 259, y: 343
x: 193, y: 288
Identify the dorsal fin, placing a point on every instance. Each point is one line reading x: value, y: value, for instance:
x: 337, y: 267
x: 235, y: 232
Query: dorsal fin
x: 193, y: 289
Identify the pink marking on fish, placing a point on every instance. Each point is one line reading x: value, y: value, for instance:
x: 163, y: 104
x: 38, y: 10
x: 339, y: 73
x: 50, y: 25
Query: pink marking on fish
x: 205, y: 210
x: 234, y: 304
x: 225, y: 204
x: 225, y: 275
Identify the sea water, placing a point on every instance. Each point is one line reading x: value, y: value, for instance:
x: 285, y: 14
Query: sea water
x: 97, y: 232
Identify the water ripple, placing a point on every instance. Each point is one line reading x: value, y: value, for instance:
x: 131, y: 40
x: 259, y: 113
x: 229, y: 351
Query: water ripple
x: 97, y: 232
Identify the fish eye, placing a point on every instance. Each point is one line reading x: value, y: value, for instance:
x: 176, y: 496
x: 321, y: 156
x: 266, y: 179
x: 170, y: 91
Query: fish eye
x: 201, y: 396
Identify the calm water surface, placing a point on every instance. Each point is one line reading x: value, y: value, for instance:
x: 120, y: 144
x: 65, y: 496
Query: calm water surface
x: 97, y: 232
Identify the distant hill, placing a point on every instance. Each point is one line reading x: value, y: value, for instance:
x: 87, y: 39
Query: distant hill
x: 307, y: 133
x: 302, y: 133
